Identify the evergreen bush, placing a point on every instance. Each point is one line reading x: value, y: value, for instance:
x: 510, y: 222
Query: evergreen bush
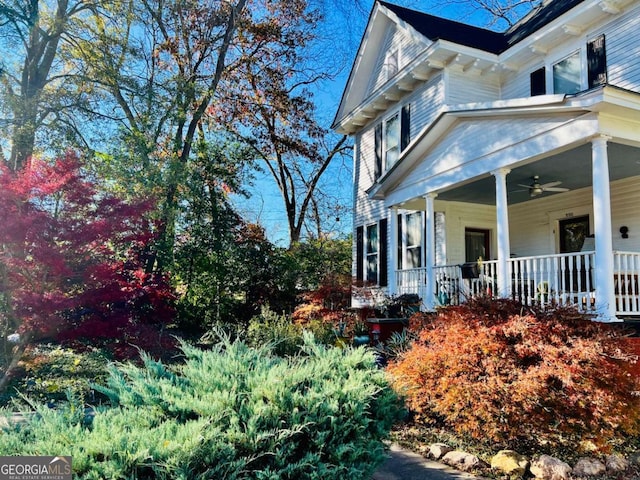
x: 527, y: 379
x: 234, y: 412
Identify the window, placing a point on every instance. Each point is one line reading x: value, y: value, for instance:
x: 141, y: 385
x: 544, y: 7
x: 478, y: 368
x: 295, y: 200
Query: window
x: 414, y: 240
x: 566, y: 75
x: 392, y: 136
x: 570, y: 75
x: 410, y: 245
x: 372, y: 254
x: 391, y: 64
x: 391, y: 140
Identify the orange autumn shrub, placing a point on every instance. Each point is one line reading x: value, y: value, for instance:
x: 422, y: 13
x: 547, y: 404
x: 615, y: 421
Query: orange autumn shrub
x: 500, y: 373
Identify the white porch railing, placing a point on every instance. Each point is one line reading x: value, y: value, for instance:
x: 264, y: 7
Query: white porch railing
x: 560, y: 279
x: 626, y: 266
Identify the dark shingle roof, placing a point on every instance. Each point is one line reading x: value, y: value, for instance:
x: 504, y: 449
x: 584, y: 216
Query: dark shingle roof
x: 544, y: 15
x: 435, y: 28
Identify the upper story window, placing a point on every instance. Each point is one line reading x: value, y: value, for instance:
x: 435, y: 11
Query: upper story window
x: 583, y: 69
x: 567, y: 74
x: 391, y: 62
x: 391, y: 140
x: 392, y: 135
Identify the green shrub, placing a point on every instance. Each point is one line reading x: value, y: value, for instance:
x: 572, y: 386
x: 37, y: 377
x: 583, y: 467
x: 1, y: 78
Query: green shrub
x: 284, y: 335
x: 234, y: 412
x: 495, y: 372
x: 277, y: 330
x: 48, y: 372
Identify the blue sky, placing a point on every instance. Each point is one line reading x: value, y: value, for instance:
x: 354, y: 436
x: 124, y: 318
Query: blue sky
x: 340, y: 34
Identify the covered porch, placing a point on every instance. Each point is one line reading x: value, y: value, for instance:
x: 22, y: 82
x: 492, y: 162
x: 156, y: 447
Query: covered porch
x: 542, y: 280
x: 552, y: 188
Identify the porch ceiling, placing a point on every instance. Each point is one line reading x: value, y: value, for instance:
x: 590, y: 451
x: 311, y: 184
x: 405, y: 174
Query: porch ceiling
x: 572, y: 168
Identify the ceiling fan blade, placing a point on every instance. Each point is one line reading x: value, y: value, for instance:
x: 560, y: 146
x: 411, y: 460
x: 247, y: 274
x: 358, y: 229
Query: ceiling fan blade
x: 524, y: 186
x: 551, y: 184
x: 555, y: 189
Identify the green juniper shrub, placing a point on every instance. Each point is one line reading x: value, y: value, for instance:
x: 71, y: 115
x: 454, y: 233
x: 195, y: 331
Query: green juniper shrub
x: 497, y: 372
x: 48, y: 372
x: 233, y: 412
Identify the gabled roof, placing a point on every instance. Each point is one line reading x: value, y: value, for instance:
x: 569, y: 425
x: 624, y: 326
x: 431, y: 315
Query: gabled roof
x: 538, y: 18
x: 437, y: 28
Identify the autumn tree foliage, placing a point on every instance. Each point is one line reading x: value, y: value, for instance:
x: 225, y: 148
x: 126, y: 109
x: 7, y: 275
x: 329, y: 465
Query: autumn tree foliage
x: 497, y: 372
x: 71, y: 263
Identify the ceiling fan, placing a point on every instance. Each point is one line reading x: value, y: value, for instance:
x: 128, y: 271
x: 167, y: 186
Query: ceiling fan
x: 536, y: 188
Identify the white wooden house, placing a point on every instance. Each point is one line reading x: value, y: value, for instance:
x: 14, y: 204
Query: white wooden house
x: 499, y: 163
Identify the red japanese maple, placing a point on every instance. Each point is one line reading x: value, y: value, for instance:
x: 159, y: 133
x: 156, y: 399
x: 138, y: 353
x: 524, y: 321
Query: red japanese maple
x: 71, y: 263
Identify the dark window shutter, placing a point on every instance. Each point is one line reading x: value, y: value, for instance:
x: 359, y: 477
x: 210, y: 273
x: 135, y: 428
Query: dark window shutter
x: 597, y: 62
x: 405, y: 126
x: 383, y: 279
x: 399, y: 242
x: 538, y: 82
x: 378, y: 149
x: 360, y: 254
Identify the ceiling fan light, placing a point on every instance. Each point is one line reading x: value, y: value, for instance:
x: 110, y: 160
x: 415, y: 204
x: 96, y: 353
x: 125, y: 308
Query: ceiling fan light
x: 535, y: 191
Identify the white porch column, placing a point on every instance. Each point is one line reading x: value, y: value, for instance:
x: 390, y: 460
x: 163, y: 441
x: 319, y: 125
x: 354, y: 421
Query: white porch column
x: 430, y: 252
x: 502, y: 220
x: 392, y: 275
x: 605, y: 294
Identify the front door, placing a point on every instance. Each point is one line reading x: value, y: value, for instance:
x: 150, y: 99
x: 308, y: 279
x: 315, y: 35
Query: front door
x: 477, y: 242
x: 573, y: 232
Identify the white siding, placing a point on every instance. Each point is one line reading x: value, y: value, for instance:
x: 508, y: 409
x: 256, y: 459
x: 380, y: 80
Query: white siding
x: 426, y: 104
x: 395, y: 39
x: 366, y: 210
x: 519, y: 85
x: 623, y: 50
x: 623, y: 56
x: 458, y: 216
x: 474, y: 139
x: 533, y: 224
x: 469, y: 88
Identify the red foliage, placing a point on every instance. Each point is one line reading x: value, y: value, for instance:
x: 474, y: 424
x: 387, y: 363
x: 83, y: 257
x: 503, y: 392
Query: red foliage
x: 71, y: 261
x: 493, y: 371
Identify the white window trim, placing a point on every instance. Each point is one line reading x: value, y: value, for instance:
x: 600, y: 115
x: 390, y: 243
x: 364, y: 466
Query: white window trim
x: 582, y: 54
x: 580, y: 44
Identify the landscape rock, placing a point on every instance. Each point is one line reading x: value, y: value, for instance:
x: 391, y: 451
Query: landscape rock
x: 616, y: 463
x: 510, y: 463
x: 462, y: 460
x: 439, y: 450
x: 589, y: 467
x: 550, y: 468
x: 634, y: 458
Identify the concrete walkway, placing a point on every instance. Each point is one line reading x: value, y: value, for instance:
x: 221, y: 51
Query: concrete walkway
x: 405, y: 465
